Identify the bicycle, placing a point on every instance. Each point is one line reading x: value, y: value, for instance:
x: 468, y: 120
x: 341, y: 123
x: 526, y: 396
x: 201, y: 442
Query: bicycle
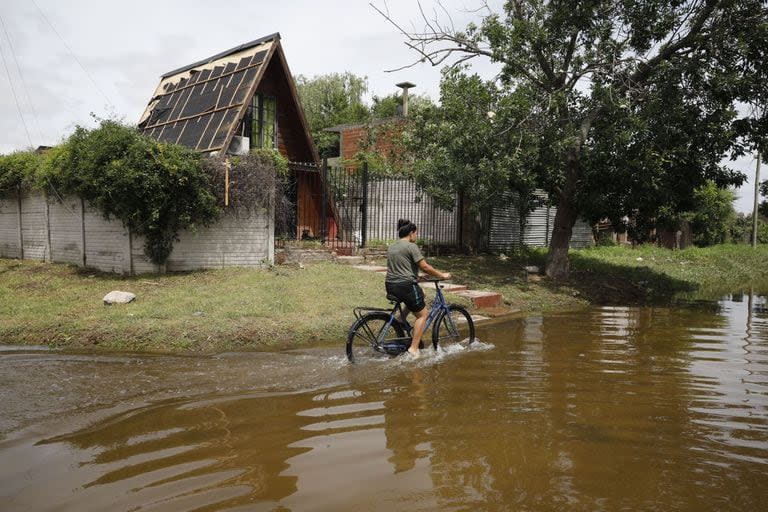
x: 380, y: 331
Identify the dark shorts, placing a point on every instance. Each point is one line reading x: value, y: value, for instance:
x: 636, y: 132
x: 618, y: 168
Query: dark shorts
x: 409, y: 294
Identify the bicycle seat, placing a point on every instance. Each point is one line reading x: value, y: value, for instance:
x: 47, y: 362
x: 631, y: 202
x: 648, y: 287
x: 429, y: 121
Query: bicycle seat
x: 392, y: 298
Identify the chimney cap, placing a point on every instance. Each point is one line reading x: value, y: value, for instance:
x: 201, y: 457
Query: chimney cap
x: 405, y: 85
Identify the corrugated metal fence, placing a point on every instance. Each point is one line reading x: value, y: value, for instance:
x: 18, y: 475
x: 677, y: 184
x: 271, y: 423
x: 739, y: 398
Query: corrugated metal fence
x: 506, y: 232
x: 352, y: 208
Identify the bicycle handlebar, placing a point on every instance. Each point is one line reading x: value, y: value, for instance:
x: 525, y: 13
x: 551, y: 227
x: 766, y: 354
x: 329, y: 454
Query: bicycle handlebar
x: 431, y: 279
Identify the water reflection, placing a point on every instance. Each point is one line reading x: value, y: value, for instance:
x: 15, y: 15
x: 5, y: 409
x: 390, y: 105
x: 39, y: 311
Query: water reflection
x: 604, y: 409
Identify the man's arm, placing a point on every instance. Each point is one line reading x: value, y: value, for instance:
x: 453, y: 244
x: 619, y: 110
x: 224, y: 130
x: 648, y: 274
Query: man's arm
x: 429, y: 269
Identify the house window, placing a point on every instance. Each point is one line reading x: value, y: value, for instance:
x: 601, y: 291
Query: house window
x: 263, y: 121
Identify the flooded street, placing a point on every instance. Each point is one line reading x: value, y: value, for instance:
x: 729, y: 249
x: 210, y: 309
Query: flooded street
x: 614, y: 408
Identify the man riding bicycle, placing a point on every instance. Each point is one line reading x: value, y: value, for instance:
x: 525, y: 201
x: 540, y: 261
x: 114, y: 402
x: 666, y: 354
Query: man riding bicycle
x: 404, y: 260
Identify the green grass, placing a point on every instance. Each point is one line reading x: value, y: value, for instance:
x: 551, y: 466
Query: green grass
x: 617, y: 275
x: 201, y: 311
x: 240, y: 309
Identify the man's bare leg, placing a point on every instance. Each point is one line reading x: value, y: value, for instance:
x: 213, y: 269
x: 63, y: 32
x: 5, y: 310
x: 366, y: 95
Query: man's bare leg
x: 418, y: 327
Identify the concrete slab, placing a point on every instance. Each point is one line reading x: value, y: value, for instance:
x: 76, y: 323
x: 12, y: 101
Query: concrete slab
x: 481, y: 299
x: 350, y: 260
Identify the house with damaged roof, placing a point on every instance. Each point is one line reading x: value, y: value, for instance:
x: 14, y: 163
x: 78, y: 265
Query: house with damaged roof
x: 237, y: 100
x: 227, y: 104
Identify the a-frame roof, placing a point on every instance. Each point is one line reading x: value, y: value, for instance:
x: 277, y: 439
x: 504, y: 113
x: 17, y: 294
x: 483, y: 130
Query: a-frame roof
x: 201, y: 105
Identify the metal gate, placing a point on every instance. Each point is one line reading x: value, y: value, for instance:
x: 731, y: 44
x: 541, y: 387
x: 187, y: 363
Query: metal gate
x: 346, y: 208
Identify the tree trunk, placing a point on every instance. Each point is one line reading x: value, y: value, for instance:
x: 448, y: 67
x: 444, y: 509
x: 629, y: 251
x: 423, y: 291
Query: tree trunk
x: 472, y: 229
x: 558, y: 266
x: 557, y: 261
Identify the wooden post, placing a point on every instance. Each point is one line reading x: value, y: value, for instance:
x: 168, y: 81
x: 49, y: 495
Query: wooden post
x: 757, y: 195
x: 226, y: 183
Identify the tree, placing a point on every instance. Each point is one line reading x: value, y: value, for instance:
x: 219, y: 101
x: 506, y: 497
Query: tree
x: 713, y: 216
x: 763, y: 208
x: 631, y: 103
x: 391, y: 105
x: 330, y: 100
x: 459, y: 148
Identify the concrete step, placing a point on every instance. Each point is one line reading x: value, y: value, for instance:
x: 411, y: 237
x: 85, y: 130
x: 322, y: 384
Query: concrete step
x: 480, y: 299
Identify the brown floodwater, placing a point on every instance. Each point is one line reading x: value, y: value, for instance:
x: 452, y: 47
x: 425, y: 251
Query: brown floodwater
x: 613, y: 408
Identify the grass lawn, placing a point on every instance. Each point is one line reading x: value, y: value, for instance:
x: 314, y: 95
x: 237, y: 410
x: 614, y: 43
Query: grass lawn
x: 240, y: 309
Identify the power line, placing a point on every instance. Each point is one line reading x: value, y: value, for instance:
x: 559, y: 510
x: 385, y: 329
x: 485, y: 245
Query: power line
x: 23, y: 81
x: 15, y: 98
x: 73, y: 54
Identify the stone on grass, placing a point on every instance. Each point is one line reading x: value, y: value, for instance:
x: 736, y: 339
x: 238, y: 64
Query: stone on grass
x: 118, y: 297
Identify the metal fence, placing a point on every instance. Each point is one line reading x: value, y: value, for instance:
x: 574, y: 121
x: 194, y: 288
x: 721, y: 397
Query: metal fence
x: 347, y: 208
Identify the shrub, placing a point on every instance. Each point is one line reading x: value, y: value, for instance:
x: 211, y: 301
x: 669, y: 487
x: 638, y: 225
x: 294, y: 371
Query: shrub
x: 155, y: 189
x: 18, y: 170
x: 259, y: 180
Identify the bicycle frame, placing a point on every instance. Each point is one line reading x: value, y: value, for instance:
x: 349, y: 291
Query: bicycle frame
x: 439, y: 305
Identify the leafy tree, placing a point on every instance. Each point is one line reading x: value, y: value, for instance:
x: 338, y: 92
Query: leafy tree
x: 763, y: 207
x: 463, y: 146
x: 391, y: 105
x: 713, y: 216
x: 631, y: 104
x: 741, y: 232
x: 330, y: 100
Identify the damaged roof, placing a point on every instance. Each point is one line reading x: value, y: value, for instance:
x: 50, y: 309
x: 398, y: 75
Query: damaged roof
x: 200, y: 105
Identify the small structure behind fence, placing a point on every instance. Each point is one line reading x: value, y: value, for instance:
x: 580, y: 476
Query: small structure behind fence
x: 360, y: 209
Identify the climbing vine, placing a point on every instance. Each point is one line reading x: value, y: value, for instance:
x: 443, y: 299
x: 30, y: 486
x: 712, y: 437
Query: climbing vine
x: 155, y: 189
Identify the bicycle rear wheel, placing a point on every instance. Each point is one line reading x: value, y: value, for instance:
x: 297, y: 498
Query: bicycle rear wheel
x: 453, y: 326
x: 364, y: 333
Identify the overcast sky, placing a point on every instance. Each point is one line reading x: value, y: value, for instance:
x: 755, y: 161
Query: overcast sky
x: 63, y: 60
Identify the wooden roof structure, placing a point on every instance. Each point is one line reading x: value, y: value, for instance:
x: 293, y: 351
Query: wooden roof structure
x: 202, y: 104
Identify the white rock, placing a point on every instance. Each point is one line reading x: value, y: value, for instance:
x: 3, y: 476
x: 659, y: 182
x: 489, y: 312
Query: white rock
x: 118, y: 297
x: 532, y: 269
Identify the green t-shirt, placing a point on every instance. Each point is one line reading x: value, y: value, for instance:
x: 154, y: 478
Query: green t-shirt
x: 403, y: 259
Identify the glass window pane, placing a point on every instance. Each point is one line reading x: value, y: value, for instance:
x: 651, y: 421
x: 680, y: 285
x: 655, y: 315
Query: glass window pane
x: 255, y: 131
x: 270, y: 122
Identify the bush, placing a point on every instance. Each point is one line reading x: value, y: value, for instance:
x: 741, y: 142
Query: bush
x: 18, y: 170
x: 259, y: 180
x: 155, y: 189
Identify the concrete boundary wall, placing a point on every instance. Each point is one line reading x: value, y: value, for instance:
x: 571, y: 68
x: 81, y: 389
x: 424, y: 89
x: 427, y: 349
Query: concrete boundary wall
x: 37, y: 227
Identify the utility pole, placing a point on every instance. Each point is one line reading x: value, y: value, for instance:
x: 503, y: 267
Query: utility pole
x: 757, y: 195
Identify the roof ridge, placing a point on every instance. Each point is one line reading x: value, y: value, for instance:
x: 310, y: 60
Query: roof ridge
x: 244, y: 46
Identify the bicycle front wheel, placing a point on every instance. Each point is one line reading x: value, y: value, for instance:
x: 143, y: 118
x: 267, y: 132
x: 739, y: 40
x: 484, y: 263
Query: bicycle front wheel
x: 453, y: 326
x: 364, y: 334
